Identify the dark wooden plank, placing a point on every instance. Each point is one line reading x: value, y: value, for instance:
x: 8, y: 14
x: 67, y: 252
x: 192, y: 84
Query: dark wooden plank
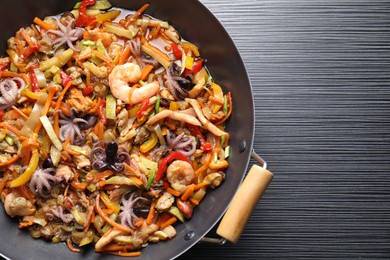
x: 320, y: 72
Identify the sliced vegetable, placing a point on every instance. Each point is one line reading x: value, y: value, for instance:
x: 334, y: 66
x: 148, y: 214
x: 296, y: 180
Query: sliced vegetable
x: 83, y: 20
x: 218, y: 93
x: 157, y: 130
x: 176, y: 51
x: 204, y: 145
x: 58, y: 60
x: 110, y: 107
x: 26, y: 175
x: 120, y: 31
x: 157, y: 105
x: 108, y: 16
x: 50, y: 132
x: 158, y: 55
x: 144, y: 107
x: 164, y: 163
x: 150, y: 180
x: 149, y: 144
x: 33, y: 119
x: 176, y: 212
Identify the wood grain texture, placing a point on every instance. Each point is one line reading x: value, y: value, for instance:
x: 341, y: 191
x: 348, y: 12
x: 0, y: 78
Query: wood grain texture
x: 320, y: 72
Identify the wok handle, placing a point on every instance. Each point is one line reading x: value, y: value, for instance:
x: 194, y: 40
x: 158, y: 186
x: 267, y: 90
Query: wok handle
x: 243, y: 203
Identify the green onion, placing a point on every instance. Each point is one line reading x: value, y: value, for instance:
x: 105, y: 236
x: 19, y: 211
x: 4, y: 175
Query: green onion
x: 157, y: 105
x: 225, y: 104
x: 150, y: 179
x: 110, y: 107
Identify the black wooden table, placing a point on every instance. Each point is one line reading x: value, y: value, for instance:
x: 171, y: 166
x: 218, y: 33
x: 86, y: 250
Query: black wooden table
x: 320, y: 72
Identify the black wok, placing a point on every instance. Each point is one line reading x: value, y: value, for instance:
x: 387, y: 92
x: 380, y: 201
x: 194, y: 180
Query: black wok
x: 196, y: 24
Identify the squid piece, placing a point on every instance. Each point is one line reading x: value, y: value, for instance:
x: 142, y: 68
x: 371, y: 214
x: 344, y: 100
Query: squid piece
x: 176, y: 115
x: 206, y: 123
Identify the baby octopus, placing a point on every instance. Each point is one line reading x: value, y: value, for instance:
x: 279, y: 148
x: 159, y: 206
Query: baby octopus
x: 106, y: 156
x: 41, y: 181
x: 127, y: 216
x: 66, y: 34
x: 9, y: 91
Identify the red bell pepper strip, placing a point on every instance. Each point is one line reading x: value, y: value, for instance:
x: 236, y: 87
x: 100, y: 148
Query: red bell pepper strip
x: 176, y: 51
x: 101, y: 112
x: 30, y: 49
x: 33, y: 79
x: 87, y: 90
x: 195, y: 130
x: 1, y: 114
x: 65, y: 78
x: 198, y: 65
x: 144, y: 107
x: 163, y: 165
x: 83, y: 19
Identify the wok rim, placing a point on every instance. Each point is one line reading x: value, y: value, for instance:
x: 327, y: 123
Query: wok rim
x: 246, y: 154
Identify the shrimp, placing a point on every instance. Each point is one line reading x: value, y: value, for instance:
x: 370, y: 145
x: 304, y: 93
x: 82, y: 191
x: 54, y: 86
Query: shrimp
x: 180, y: 174
x: 119, y: 78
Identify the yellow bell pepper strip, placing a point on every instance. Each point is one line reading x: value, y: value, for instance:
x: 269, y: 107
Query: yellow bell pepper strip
x: 32, y: 166
x: 218, y: 93
x: 157, y: 54
x: 163, y: 165
x: 149, y: 144
x: 84, y: 20
x: 109, y: 203
x: 108, y: 16
x: 197, y: 66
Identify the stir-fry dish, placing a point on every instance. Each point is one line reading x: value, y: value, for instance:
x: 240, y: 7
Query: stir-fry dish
x: 111, y: 129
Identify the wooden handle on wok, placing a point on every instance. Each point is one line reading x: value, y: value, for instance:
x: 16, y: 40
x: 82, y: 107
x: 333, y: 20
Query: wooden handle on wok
x: 243, y: 203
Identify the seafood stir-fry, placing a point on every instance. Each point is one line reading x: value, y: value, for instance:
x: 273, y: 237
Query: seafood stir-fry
x: 112, y: 130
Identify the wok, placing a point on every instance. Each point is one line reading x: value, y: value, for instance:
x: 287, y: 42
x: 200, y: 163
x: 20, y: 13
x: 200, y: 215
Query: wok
x: 196, y: 24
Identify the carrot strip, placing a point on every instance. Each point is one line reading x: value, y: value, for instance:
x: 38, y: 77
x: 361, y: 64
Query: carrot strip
x: 8, y: 73
x: 11, y: 161
x: 43, y: 24
x: 136, y: 14
x: 145, y: 71
x: 116, y: 247
x: 46, y: 107
x: 169, y: 222
x: 71, y: 247
x: 102, y: 56
x: 151, y: 214
x: 102, y: 175
x: 58, y: 105
x: 173, y: 192
x: 188, y: 192
x: 25, y: 192
x: 95, y: 107
x: 67, y: 149
x: 194, y: 201
x: 27, y: 223
x: 125, y: 254
x: 14, y: 130
x: 205, y: 165
x: 3, y: 182
x: 200, y: 185
x: 20, y: 112
x: 125, y: 55
x: 216, y: 100
x: 107, y: 219
x: 139, y: 223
